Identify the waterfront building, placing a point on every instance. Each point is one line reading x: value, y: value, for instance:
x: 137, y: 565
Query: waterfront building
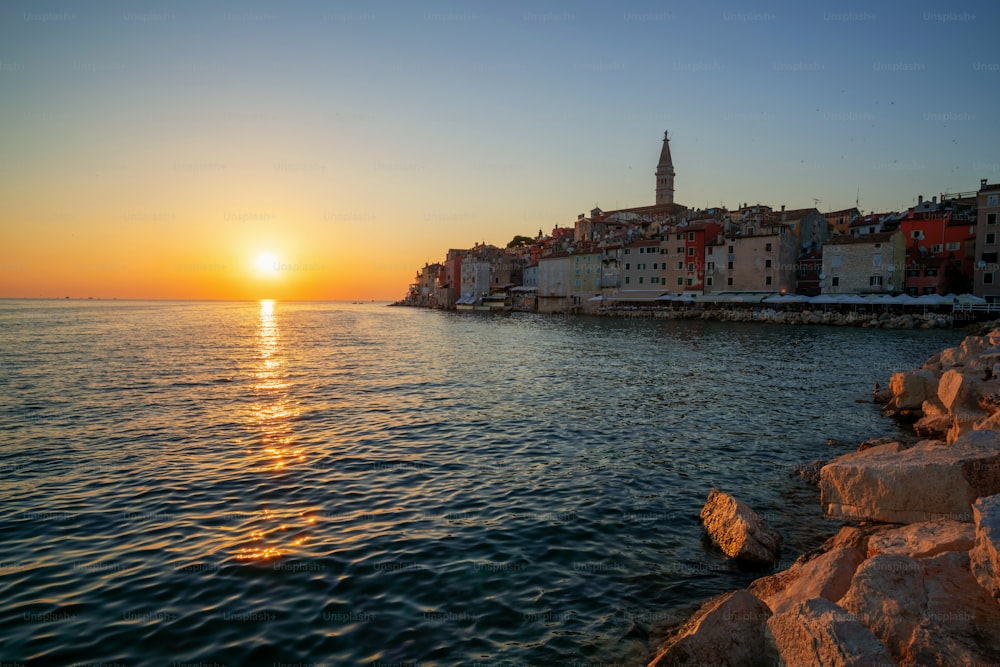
x: 641, y: 265
x: 758, y: 257
x: 940, y: 247
x: 871, y: 264
x: 808, y: 269
x: 554, y: 282
x: 684, y: 265
x: 987, y: 266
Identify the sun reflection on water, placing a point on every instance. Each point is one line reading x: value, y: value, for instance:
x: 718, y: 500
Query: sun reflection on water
x: 273, y: 444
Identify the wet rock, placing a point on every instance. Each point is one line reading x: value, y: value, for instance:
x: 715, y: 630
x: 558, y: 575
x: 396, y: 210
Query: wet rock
x: 985, y: 555
x: 739, y: 531
x: 727, y: 630
x: 931, y: 480
x: 819, y: 632
x: 827, y: 576
x: 810, y: 471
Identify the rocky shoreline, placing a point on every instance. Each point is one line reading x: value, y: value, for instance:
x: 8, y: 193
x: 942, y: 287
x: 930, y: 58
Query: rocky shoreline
x: 913, y: 575
x: 885, y: 320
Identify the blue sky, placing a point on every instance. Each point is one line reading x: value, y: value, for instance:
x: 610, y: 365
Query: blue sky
x: 442, y: 124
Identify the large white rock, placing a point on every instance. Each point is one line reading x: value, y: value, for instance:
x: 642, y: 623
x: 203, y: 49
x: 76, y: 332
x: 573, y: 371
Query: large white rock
x: 931, y: 480
x: 924, y: 539
x: 739, y: 531
x: 985, y: 555
x: 927, y: 611
x: 819, y: 632
x: 827, y: 576
x: 726, y: 630
x: 967, y: 353
x: 911, y: 389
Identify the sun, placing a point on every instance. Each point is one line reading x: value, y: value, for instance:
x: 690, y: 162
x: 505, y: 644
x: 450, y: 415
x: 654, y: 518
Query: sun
x: 267, y: 263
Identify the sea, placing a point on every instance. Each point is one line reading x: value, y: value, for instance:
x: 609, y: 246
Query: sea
x: 291, y: 483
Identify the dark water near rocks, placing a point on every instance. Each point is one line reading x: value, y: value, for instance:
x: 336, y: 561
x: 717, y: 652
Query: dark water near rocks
x: 254, y: 483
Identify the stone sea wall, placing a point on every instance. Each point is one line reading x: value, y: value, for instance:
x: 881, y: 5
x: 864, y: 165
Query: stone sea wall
x: 883, y: 320
x: 912, y: 577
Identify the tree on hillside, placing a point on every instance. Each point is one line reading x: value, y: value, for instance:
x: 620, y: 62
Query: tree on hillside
x: 520, y: 241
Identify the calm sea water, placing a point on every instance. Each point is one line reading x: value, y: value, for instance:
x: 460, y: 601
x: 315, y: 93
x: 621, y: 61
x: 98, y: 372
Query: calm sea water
x: 261, y: 483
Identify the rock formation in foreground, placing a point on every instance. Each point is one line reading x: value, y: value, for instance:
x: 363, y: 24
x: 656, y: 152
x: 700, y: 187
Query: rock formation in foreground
x: 917, y: 581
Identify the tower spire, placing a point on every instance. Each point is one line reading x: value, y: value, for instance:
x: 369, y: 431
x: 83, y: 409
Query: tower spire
x: 665, y: 174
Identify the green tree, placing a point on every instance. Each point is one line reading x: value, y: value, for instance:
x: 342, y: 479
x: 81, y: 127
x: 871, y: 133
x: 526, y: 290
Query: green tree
x: 519, y: 241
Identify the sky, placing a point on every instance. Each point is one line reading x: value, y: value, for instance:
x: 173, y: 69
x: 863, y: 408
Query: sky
x: 327, y: 150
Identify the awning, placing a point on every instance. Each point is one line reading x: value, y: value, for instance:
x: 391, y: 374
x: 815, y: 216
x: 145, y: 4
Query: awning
x: 637, y: 295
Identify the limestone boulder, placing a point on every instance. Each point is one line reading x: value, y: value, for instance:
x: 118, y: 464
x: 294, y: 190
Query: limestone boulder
x: 727, y: 630
x: 931, y: 480
x: 924, y: 539
x: 739, y: 531
x: 826, y: 576
x: 985, y: 555
x: 967, y: 354
x: 927, y: 611
x: 819, y: 632
x: 910, y: 390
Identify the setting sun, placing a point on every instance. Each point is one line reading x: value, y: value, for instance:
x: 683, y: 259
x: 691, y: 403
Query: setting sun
x: 266, y: 263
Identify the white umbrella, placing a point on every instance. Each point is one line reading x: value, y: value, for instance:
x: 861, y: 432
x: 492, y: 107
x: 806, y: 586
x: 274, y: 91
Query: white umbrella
x: 853, y: 300
x: 933, y: 300
x: 903, y: 299
x: 969, y: 300
x: 599, y: 297
x: 823, y: 299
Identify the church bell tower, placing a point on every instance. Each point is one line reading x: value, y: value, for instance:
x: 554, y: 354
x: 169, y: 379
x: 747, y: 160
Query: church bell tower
x: 665, y: 175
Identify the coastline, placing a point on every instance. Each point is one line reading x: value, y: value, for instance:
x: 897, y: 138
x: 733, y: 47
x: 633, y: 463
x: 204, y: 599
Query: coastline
x: 914, y: 571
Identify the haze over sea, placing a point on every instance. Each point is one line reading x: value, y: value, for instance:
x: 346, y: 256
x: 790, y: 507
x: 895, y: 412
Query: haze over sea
x: 250, y: 483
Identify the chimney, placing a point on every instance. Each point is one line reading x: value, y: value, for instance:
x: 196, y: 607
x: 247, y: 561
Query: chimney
x: 982, y: 183
x: 920, y: 200
x: 782, y: 208
x: 934, y: 199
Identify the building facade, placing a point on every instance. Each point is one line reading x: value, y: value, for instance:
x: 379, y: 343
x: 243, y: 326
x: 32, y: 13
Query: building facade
x: 871, y: 264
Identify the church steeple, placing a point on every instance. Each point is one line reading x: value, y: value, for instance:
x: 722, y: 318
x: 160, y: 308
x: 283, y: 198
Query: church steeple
x: 665, y: 175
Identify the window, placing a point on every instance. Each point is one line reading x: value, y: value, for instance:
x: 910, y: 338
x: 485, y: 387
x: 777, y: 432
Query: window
x: 988, y: 278
x: 709, y: 250
x: 690, y: 282
x: 767, y: 264
x: 627, y: 266
x: 690, y: 266
x: 640, y: 280
x: 991, y: 218
x: 871, y: 230
x: 708, y: 281
x: 690, y: 236
x: 680, y: 265
x: 767, y: 247
x: 936, y: 247
x: 913, y: 273
x: 878, y: 245
x: 628, y: 251
x: 680, y: 250
x: 627, y: 280
x: 729, y: 281
x: 732, y: 248
x: 874, y: 281
x: 655, y: 265
x: 835, y: 281
x: 729, y: 265
x: 710, y: 266
x: 680, y: 282
x: 929, y: 290
x: 952, y: 247
x: 767, y: 280
x: 691, y: 252
x: 876, y: 260
x: 680, y: 237
x: 991, y: 238
x: 916, y: 234
x: 803, y: 270
x: 930, y: 273
x: 655, y: 280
